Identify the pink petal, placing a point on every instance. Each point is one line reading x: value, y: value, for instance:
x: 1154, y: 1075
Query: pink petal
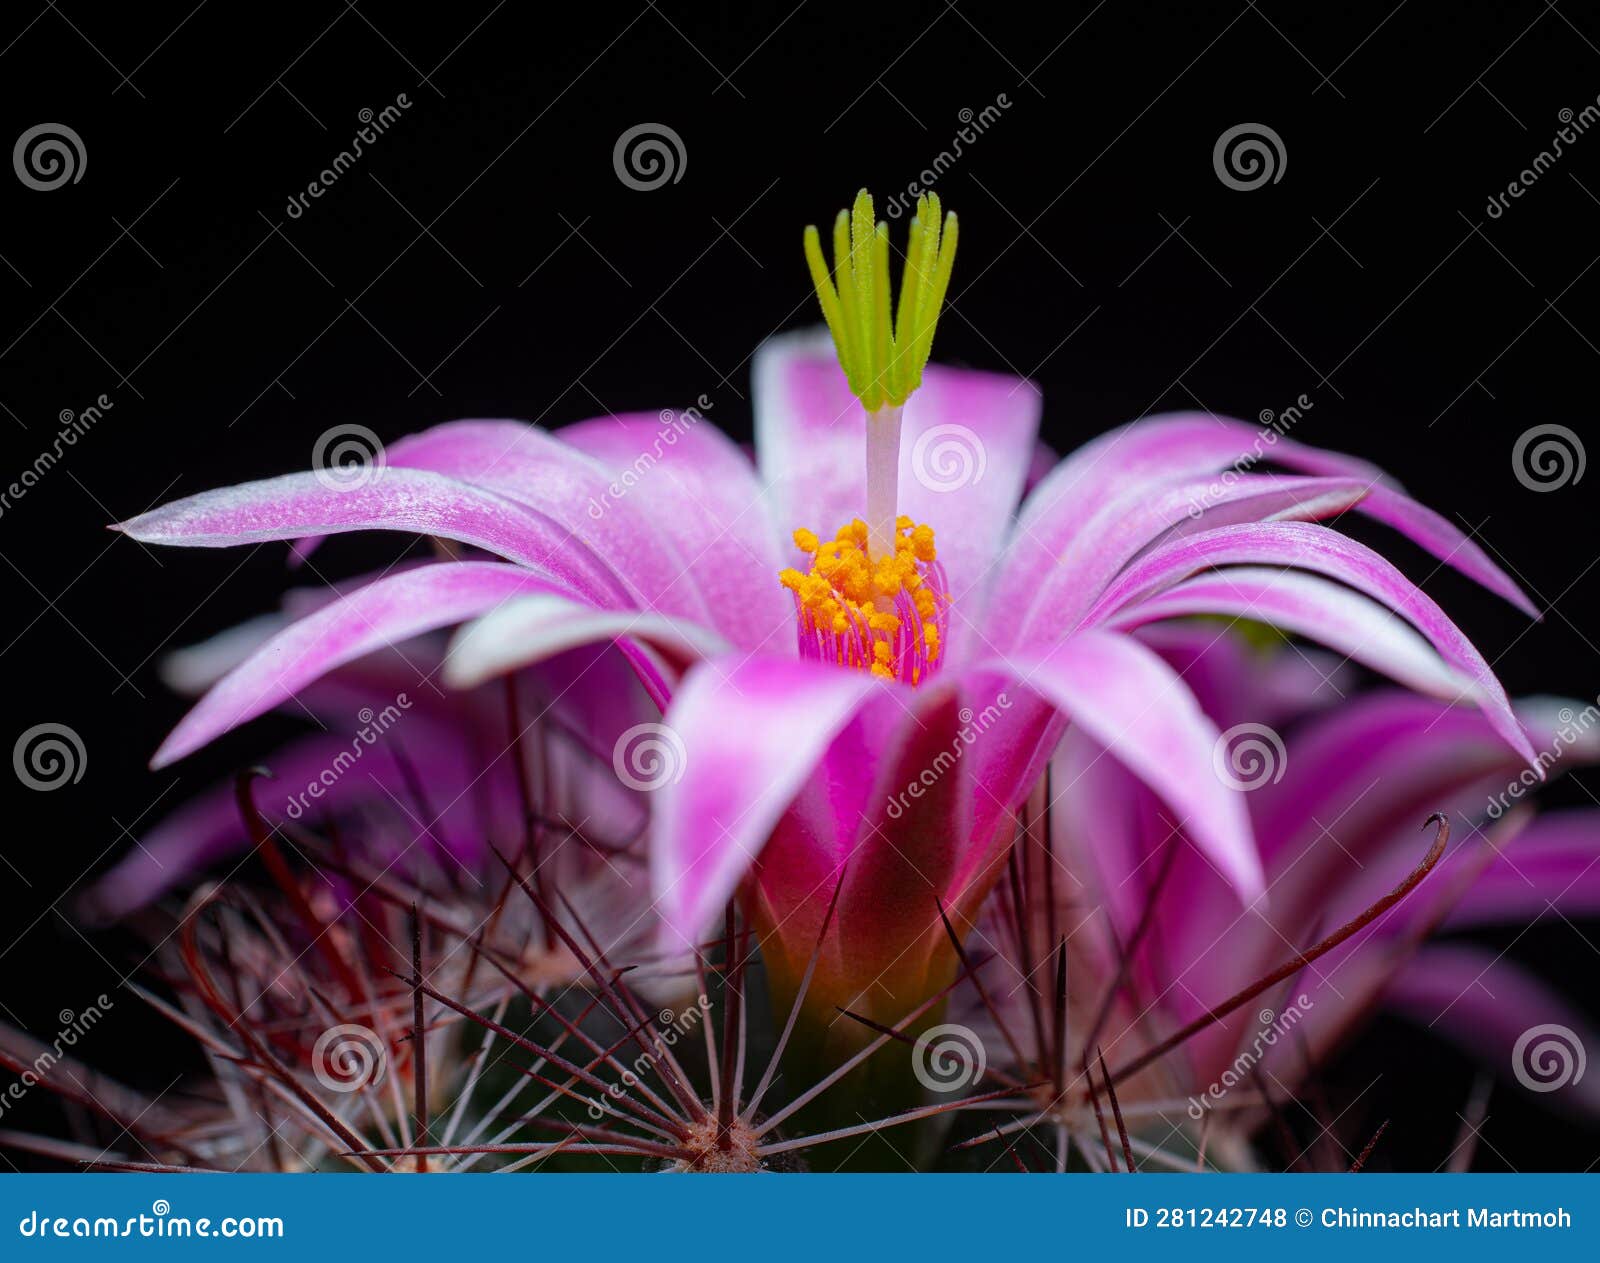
x: 1236, y: 682
x: 1325, y: 552
x: 1136, y: 458
x: 912, y: 841
x: 457, y: 747
x: 1551, y: 867
x: 536, y: 469
x: 296, y: 505
x: 1372, y: 769
x: 1123, y: 696
x: 374, y: 617
x: 1490, y: 1006
x: 795, y: 876
x: 747, y: 736
x: 1102, y: 822
x: 694, y: 485
x: 1045, y: 458
x: 1062, y: 588
x: 1308, y: 606
x: 1344, y: 824
x: 210, y: 829
x: 527, y: 629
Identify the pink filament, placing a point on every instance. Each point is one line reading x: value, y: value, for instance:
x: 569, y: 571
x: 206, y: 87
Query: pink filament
x: 909, y: 658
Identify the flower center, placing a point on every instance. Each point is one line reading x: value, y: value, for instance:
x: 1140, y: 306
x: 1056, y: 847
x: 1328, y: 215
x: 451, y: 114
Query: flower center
x: 875, y: 595
x: 883, y: 611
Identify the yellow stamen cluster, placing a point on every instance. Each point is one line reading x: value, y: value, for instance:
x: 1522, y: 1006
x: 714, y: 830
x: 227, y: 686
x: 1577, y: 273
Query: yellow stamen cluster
x: 882, y: 361
x: 860, y: 599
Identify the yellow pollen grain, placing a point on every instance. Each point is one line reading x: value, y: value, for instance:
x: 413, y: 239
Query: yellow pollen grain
x: 848, y: 589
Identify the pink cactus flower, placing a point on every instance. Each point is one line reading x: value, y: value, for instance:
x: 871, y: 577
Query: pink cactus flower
x: 864, y: 709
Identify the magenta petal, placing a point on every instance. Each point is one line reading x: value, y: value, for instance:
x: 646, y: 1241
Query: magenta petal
x: 1236, y: 683
x: 539, y: 471
x: 693, y: 484
x: 473, y: 807
x: 1124, y: 697
x: 911, y: 844
x: 1388, y: 504
x: 1060, y: 588
x: 1135, y: 458
x: 1506, y: 1016
x: 797, y: 873
x: 527, y: 629
x: 1377, y: 765
x: 1326, y: 552
x: 1309, y: 606
x: 1101, y: 827
x: 1045, y: 458
x: 189, y: 671
x: 1550, y: 868
x: 370, y: 618
x: 744, y: 738
x: 1343, y: 825
x: 293, y: 506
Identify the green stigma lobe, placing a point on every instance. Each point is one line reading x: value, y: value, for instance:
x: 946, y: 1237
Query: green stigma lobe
x: 883, y: 358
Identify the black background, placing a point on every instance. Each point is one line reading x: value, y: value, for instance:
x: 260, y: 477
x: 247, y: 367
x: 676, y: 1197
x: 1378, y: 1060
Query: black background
x: 484, y: 259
